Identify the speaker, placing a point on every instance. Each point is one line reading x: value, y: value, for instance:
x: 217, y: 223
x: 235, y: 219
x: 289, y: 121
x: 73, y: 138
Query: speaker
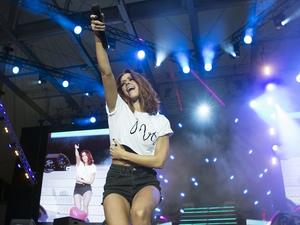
x: 68, y: 221
x: 22, y: 222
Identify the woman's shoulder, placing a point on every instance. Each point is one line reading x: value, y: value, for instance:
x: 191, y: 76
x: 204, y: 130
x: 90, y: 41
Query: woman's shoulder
x: 161, y: 117
x: 93, y: 167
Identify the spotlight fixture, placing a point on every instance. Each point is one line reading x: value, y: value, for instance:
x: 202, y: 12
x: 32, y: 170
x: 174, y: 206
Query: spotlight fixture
x: 236, y: 49
x: 141, y: 54
x: 248, y: 38
x: 41, y: 80
x: 65, y: 83
x: 278, y: 19
x: 111, y: 44
x: 186, y: 69
x: 15, y: 70
x: 208, y: 67
x: 77, y: 29
x: 93, y: 119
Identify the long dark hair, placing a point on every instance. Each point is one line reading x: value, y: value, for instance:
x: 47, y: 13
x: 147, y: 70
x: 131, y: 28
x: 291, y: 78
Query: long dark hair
x: 148, y: 97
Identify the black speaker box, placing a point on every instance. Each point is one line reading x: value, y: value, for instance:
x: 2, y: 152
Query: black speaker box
x: 68, y: 221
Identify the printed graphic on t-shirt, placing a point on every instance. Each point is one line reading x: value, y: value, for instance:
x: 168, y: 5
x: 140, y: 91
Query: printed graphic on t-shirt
x: 142, y: 128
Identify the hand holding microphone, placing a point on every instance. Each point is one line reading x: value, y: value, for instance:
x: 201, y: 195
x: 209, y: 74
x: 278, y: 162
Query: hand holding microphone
x: 98, y: 25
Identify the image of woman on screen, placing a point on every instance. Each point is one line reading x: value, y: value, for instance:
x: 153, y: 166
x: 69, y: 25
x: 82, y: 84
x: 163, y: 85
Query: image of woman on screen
x: 85, y: 176
x: 139, y: 142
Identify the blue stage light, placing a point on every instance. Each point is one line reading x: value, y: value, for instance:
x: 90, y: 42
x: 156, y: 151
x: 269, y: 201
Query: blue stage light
x: 77, y: 29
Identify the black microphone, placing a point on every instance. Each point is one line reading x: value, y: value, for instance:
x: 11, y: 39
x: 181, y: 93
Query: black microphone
x: 95, y: 10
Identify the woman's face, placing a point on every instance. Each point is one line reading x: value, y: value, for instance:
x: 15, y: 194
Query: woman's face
x: 84, y: 157
x: 129, y: 86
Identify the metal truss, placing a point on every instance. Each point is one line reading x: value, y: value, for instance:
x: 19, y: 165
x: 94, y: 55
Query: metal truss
x: 15, y: 145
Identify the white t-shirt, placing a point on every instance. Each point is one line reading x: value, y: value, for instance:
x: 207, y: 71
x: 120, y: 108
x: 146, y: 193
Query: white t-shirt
x: 85, y: 172
x: 137, y: 130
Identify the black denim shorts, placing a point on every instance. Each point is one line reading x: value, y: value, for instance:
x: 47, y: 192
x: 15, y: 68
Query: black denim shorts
x: 80, y: 189
x: 128, y: 180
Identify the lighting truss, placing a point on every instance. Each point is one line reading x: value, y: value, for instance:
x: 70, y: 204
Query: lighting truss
x: 15, y: 144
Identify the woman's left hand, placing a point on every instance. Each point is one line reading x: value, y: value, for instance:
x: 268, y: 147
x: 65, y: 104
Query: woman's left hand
x: 116, y: 150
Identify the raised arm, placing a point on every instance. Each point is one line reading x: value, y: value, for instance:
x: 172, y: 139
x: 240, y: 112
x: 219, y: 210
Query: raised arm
x: 108, y: 79
x: 77, y: 155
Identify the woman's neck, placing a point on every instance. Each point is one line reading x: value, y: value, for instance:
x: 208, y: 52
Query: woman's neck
x: 137, y: 106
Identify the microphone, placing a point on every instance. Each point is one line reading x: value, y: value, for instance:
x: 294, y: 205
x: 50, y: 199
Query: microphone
x: 95, y: 10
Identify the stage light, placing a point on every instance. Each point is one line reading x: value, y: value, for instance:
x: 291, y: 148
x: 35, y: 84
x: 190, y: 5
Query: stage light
x: 166, y: 181
x: 93, y: 119
x: 215, y: 159
x: 87, y: 94
x: 275, y: 148
x: 181, y: 211
x: 179, y: 125
x: 157, y: 209
x: 203, y: 110
x: 256, y: 202
x: 285, y: 21
x: 208, y: 67
x: 236, y: 50
x: 19, y: 166
x: 6, y: 129
x: 160, y: 57
x: 266, y: 170
x: 269, y: 192
x: 245, y: 191
x: 298, y: 78
x: 193, y: 179
x: 229, y: 49
x: 26, y: 175
x: 65, y: 83
x: 41, y: 80
x: 77, y: 29
x: 267, y: 70
x: 231, y: 177
x: 206, y: 160
x: 15, y: 70
x: 270, y: 87
x: 186, y: 69
x: 236, y: 120
x: 112, y: 43
x: 279, y: 21
x: 161, y: 176
x: 208, y: 57
x: 274, y: 160
x: 248, y: 38
x: 183, y: 62
x: 250, y: 151
x: 253, y: 104
x: 272, y: 131
x: 261, y: 175
x: 141, y: 54
x: 182, y: 194
x: 16, y: 153
x: 163, y: 218
x: 172, y: 157
x: 196, y: 184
